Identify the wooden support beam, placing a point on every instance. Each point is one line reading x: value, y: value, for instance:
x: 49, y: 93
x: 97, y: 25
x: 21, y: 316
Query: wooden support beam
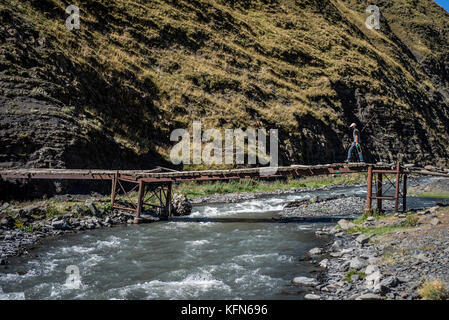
x: 396, y: 191
x: 379, y: 191
x: 139, y: 201
x: 369, y: 189
x: 168, y: 200
x: 404, y: 194
x: 114, y: 188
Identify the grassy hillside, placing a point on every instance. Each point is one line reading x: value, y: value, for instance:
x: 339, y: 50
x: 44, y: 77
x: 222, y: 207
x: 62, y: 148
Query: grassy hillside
x: 108, y: 95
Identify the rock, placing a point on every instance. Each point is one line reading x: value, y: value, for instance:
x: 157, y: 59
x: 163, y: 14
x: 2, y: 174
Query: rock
x: 312, y: 297
x: 344, y: 267
x: 181, y: 205
x: 357, y: 263
x: 7, y: 222
x: 347, y: 250
x: 334, y: 230
x: 371, y: 219
x: 305, y: 282
x: 336, y: 254
x: 362, y: 239
x: 4, y: 206
x: 337, y: 245
x: 435, y: 221
x: 355, y: 277
x: 60, y: 225
x: 369, y: 296
x: 93, y: 209
x: 315, y: 251
x: 324, y: 263
x: 371, y: 269
x: 373, y: 279
x: 390, y: 282
x: 345, y: 224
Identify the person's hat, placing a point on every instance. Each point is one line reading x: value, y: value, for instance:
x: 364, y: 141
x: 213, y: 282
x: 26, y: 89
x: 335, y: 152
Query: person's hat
x: 352, y: 125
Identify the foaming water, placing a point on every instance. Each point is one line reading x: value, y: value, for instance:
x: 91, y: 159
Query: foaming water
x: 168, y: 260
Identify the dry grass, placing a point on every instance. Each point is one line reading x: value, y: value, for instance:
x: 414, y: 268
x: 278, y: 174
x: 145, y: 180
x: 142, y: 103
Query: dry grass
x: 434, y: 290
x: 215, y: 61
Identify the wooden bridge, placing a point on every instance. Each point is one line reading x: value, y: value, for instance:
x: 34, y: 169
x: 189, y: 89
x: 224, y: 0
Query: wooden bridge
x: 154, y: 187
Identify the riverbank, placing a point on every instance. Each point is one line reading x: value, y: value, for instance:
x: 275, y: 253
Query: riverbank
x: 395, y: 257
x: 22, y: 227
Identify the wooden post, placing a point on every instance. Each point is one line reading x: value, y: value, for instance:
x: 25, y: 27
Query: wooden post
x: 369, y: 190
x: 114, y: 188
x: 379, y: 192
x: 139, y: 201
x: 396, y: 194
x: 404, y: 194
x: 168, y: 199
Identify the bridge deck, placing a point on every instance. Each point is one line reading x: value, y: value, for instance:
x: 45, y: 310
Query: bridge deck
x: 158, y: 174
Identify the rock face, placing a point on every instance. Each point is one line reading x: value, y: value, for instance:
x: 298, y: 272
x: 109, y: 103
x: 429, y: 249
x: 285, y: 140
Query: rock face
x: 181, y: 205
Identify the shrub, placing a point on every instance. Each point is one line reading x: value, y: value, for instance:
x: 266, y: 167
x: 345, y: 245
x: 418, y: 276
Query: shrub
x: 434, y: 290
x: 352, y: 272
x: 411, y: 221
x: 51, y: 212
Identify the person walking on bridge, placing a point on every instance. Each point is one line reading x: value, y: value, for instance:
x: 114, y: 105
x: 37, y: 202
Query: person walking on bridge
x: 355, y: 143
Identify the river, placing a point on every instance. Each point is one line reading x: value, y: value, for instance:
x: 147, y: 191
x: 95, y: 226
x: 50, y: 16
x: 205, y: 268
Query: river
x: 177, y: 259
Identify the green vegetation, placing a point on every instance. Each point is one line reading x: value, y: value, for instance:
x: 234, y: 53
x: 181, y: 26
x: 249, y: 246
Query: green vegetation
x: 352, y: 272
x: 21, y: 226
x: 105, y: 207
x: 434, y: 290
x: 194, y: 189
x: 411, y: 221
x: 52, y: 212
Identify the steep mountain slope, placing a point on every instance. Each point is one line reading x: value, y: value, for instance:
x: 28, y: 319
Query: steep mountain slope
x: 108, y: 95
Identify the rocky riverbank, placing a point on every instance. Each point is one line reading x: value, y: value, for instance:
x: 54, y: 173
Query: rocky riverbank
x: 22, y: 227
x: 389, y: 257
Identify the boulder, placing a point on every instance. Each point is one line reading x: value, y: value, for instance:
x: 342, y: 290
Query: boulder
x: 371, y: 269
x: 372, y: 280
x: 390, y: 282
x: 434, y: 221
x: 324, y: 263
x: 6, y: 221
x: 60, y: 225
x: 357, y: 263
x: 181, y: 205
x: 362, y: 239
x: 337, y: 245
x: 315, y: 251
x: 345, y: 224
x: 305, y: 282
x: 93, y: 209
